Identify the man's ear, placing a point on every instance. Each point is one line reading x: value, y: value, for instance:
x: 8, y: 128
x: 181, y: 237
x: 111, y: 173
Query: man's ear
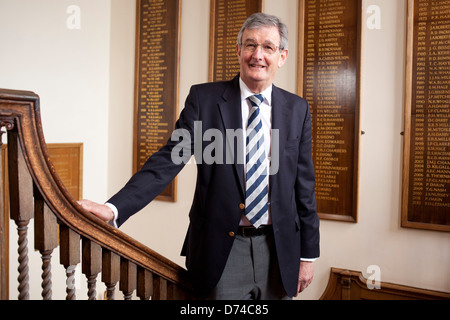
x: 283, y: 58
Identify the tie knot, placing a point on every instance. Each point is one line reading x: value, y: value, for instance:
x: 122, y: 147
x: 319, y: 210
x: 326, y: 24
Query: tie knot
x: 256, y: 100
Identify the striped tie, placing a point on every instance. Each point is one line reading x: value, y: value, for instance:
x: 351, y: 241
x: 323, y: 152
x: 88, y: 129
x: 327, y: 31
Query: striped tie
x: 256, y: 202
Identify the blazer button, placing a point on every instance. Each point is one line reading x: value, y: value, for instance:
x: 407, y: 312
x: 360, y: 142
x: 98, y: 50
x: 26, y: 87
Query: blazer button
x: 242, y: 206
x: 231, y: 234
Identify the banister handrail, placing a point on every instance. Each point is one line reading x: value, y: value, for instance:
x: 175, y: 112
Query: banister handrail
x: 20, y: 111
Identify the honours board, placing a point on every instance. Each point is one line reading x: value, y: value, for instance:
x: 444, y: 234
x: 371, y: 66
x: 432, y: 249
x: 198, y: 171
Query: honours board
x: 426, y: 163
x: 67, y: 158
x: 156, y: 80
x: 329, y: 76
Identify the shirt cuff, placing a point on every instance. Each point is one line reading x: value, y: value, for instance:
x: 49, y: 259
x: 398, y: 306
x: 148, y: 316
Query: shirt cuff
x: 308, y: 259
x: 113, y: 222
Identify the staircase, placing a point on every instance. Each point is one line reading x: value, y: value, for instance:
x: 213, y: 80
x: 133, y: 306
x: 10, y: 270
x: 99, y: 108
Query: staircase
x: 36, y: 192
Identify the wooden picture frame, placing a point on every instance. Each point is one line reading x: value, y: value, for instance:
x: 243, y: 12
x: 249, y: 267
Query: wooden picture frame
x: 426, y: 149
x: 157, y: 77
x: 67, y: 158
x: 329, y: 73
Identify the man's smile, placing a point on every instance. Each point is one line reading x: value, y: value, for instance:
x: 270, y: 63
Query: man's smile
x: 257, y: 66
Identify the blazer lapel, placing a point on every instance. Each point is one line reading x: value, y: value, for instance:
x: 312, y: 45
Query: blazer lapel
x: 230, y: 110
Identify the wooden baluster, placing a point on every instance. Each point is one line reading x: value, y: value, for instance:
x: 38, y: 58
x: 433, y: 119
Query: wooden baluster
x: 110, y: 272
x: 145, y: 284
x: 159, y: 288
x: 69, y: 257
x: 91, y: 265
x: 22, y: 229
x: 21, y: 206
x: 45, y: 240
x: 4, y: 228
x: 173, y: 292
x: 127, y: 278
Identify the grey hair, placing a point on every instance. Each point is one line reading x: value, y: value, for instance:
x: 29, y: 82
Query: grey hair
x: 260, y: 20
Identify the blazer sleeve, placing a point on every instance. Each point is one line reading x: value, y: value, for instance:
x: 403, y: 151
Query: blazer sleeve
x: 305, y: 193
x: 160, y: 169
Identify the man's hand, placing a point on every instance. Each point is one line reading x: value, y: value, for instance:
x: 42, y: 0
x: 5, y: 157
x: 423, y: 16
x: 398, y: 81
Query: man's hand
x: 100, y: 210
x: 305, y: 275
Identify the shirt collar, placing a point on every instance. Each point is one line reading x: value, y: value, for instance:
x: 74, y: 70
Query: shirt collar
x: 245, y: 92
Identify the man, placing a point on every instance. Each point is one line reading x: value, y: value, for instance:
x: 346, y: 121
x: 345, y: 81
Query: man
x: 254, y: 232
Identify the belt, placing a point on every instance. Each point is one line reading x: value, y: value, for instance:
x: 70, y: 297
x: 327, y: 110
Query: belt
x: 251, y: 231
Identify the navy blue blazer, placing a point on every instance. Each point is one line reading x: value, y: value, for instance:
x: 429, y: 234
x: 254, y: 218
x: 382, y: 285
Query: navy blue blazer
x: 216, y: 209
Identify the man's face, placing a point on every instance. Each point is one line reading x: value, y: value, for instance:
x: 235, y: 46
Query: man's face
x: 258, y: 63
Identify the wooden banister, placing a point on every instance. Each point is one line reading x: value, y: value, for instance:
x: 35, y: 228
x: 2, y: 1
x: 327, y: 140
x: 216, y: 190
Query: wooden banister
x: 345, y: 284
x: 103, y: 249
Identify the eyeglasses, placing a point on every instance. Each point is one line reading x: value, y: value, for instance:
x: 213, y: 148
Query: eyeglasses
x: 267, y: 47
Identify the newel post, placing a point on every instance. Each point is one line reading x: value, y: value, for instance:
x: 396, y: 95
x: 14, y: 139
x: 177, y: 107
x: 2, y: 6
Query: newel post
x: 21, y: 206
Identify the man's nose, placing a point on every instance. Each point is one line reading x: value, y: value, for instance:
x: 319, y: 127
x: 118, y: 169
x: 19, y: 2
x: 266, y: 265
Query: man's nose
x: 259, y: 53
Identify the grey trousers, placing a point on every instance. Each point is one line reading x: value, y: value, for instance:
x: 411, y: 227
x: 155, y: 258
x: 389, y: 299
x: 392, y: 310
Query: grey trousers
x: 251, y: 272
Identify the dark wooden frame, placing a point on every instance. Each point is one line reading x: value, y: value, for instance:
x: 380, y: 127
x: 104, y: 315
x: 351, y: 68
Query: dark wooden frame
x: 170, y: 107
x: 405, y: 219
x: 353, y: 215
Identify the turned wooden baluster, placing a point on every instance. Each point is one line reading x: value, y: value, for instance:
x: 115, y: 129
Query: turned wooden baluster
x: 127, y: 278
x: 110, y: 272
x: 174, y: 292
x: 91, y: 265
x: 4, y: 230
x: 45, y: 240
x: 21, y: 206
x: 69, y: 257
x: 145, y: 284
